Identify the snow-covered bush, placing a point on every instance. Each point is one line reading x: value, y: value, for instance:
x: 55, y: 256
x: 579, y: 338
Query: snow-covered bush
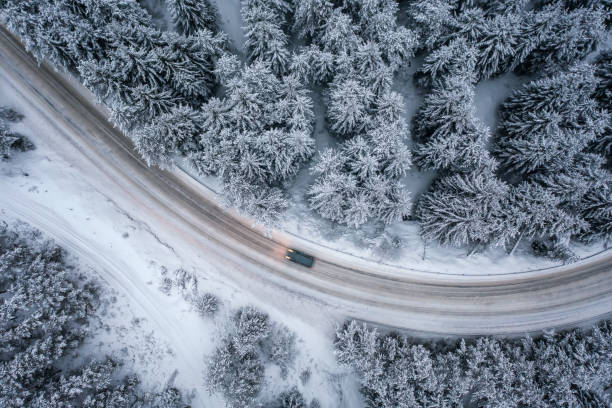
x: 206, y: 304
x: 11, y: 141
x: 292, y: 398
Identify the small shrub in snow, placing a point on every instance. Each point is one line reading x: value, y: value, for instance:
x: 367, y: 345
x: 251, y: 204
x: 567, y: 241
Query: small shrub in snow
x: 165, y: 285
x: 305, y: 376
x: 185, y: 280
x: 292, y: 399
x: 314, y: 404
x: 206, y: 304
x: 11, y: 141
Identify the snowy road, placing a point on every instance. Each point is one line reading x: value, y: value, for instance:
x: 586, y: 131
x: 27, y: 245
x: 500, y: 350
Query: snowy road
x: 186, y: 215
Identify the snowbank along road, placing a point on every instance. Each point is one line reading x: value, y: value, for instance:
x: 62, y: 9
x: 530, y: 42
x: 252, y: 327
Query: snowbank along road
x: 184, y: 212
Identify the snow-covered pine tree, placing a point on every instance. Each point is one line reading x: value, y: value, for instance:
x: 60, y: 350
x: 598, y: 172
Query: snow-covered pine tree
x: 498, y: 45
x: 546, y: 128
x: 555, y: 38
x: 456, y: 59
x: 581, y: 188
x: 568, y: 368
x: 547, y: 122
x: 189, y: 16
x: 360, y: 181
x: 339, y: 33
x: 464, y: 209
x: 310, y: 16
x: 265, y: 38
x: 603, y: 95
x: 311, y: 64
x: 257, y: 138
x: 239, y: 377
x: 433, y: 21
x: 533, y: 211
x: 596, y: 210
x: 68, y: 31
x: 236, y: 368
x: 449, y: 135
x: 501, y: 7
x: 349, y: 107
x: 167, y: 135
x: 48, y: 304
x: 291, y: 398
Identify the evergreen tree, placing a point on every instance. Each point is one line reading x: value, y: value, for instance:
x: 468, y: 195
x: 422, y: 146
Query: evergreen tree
x: 265, y: 38
x: 46, y: 308
x: 455, y: 60
x: 535, y: 212
x: 310, y: 15
x: 360, y: 181
x: 256, y: 139
x: 349, y: 107
x: 558, y: 38
x: 603, y: 95
x: 168, y: 134
x: 464, y: 209
x: 596, y: 210
x: 189, y: 16
x: 236, y: 368
x: 313, y: 65
x: 450, y: 135
x: 547, y: 122
x: 291, y: 399
x: 433, y: 20
x: 239, y: 377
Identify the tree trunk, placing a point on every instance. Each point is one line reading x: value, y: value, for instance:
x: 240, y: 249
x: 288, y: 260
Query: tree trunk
x: 516, y: 244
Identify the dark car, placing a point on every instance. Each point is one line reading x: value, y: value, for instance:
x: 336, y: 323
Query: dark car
x: 299, y: 258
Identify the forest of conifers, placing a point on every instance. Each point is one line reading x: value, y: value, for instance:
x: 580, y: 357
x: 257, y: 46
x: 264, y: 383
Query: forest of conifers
x: 542, y: 175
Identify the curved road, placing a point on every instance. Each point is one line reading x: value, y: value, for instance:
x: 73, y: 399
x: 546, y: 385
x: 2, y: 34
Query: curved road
x: 170, y: 201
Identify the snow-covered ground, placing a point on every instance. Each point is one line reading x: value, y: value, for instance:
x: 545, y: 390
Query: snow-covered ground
x: 160, y: 331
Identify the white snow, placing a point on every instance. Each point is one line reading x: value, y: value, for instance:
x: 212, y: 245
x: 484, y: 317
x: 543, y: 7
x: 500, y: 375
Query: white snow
x: 231, y: 21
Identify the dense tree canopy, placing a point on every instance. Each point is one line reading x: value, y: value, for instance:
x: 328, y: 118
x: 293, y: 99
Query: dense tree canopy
x: 571, y: 368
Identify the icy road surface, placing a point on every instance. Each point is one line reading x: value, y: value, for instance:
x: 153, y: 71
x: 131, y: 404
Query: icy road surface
x: 186, y: 216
